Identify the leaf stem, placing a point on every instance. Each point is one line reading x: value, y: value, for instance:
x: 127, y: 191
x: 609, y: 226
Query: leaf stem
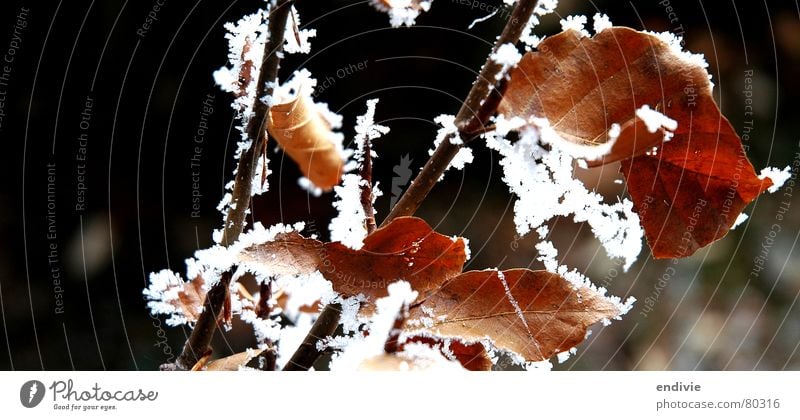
x: 200, y: 338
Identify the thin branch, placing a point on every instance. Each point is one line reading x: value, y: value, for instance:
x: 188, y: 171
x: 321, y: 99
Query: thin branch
x: 308, y: 353
x: 366, y: 188
x: 263, y: 311
x: 481, y: 103
x: 472, y: 116
x: 199, y: 343
x: 200, y: 338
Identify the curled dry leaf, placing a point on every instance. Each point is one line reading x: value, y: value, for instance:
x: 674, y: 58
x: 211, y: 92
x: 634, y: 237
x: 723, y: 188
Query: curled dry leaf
x: 306, y: 136
x: 407, y: 248
x: 688, y: 190
x: 233, y: 362
x: 534, y: 314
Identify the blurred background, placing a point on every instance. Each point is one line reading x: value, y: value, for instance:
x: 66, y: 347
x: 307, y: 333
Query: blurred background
x: 100, y: 108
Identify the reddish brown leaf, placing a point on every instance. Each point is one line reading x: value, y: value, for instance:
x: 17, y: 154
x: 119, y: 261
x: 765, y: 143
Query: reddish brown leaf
x: 551, y: 315
x: 407, y: 249
x: 691, y: 190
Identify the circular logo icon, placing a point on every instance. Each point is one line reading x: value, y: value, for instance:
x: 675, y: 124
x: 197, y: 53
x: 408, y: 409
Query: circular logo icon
x: 31, y: 393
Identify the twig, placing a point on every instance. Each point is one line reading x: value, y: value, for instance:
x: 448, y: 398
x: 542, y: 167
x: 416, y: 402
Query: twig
x: 481, y: 103
x: 200, y: 340
x: 328, y: 320
x: 366, y: 188
x: 242, y: 189
x: 263, y: 311
x: 308, y: 353
x: 472, y: 116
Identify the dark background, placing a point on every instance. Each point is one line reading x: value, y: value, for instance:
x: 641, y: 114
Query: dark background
x: 148, y: 95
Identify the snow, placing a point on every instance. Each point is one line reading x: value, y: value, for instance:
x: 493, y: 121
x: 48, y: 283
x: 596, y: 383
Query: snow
x: 601, y: 23
x: 778, y: 177
x: 655, y: 120
x: 576, y: 23
x: 448, y: 128
x: 507, y: 56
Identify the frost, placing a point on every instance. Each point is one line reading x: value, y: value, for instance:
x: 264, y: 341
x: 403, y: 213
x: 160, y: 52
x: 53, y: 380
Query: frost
x: 302, y: 290
x: 777, y: 176
x: 614, y: 132
x: 297, y: 42
x: 601, y: 23
x: 367, y: 130
x: 576, y: 23
x: 212, y: 262
x: 741, y: 218
x: 543, y: 7
x: 564, y: 355
x: 163, y: 288
x: 264, y: 329
x: 507, y: 56
x: 308, y: 186
x: 464, y: 155
x: 348, y: 226
x: 675, y: 43
x: 380, y: 326
x: 543, y: 181
x: 482, y: 19
x: 655, y: 120
x: 402, y: 12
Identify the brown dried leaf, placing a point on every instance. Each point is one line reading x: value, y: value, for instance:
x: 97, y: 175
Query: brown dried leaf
x: 233, y: 362
x: 407, y: 248
x: 306, y: 136
x: 472, y: 356
x: 689, y: 190
x: 190, y: 298
x: 551, y: 315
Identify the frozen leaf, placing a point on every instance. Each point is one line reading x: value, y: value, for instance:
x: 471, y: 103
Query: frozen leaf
x: 407, y: 249
x: 584, y: 85
x: 533, y: 314
x: 307, y: 137
x: 233, y: 362
x: 625, y: 91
